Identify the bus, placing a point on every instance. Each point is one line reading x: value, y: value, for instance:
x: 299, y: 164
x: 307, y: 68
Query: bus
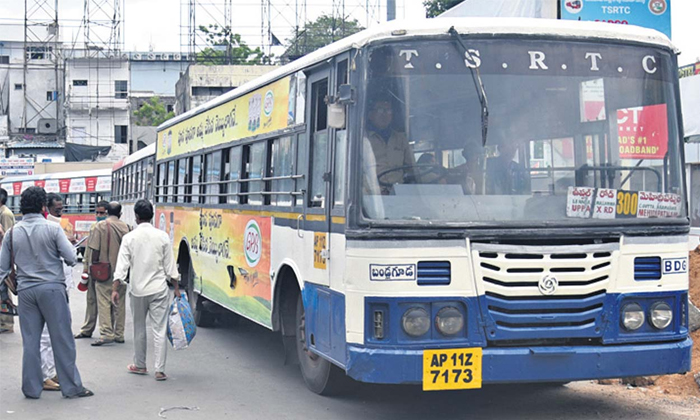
x: 132, y: 180
x: 80, y: 190
x: 447, y: 202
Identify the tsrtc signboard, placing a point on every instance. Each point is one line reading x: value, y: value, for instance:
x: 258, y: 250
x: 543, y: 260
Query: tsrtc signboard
x: 654, y: 14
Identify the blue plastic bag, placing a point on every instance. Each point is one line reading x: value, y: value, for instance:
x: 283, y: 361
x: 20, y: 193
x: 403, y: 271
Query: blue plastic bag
x: 181, y: 326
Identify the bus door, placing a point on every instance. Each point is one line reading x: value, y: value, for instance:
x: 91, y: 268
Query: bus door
x: 316, y: 226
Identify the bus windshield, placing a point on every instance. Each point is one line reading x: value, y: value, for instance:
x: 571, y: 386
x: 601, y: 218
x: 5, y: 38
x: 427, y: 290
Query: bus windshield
x: 575, y: 130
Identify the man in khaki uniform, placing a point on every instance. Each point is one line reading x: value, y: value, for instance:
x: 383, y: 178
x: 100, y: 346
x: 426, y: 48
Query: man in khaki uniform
x: 91, y: 298
x: 390, y: 147
x: 104, y: 242
x: 7, y: 220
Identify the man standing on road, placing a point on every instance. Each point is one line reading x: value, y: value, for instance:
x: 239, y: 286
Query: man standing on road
x: 7, y: 220
x: 48, y: 367
x: 104, y: 242
x: 149, y: 255
x: 38, y: 247
x: 91, y: 298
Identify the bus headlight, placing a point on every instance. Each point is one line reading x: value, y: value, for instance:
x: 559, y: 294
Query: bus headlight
x: 449, y: 321
x: 416, y: 322
x: 632, y: 316
x: 660, y: 315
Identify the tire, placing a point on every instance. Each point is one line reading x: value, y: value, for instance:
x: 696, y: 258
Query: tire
x: 321, y: 376
x: 202, y: 318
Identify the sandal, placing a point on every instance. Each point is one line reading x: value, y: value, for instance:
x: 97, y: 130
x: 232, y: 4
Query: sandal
x: 84, y: 393
x: 161, y: 376
x: 137, y: 370
x: 82, y: 335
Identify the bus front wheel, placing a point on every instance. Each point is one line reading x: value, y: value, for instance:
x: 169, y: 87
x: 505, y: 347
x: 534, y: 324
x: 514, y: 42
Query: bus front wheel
x: 320, y: 375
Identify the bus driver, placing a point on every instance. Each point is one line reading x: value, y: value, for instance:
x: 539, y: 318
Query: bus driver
x: 389, y: 147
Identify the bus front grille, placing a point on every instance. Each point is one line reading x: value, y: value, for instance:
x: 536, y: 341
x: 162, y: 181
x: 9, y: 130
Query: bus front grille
x: 543, y: 293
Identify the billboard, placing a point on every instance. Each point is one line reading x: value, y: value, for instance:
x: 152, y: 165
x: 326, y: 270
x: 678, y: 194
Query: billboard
x: 654, y: 14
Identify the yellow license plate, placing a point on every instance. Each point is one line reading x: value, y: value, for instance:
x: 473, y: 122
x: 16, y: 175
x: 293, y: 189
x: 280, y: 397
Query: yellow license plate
x: 451, y: 369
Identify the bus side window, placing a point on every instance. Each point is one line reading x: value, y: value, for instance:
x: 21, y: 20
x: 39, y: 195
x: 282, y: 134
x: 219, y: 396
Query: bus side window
x: 283, y: 166
x: 319, y: 144
x: 181, y: 178
x: 255, y: 172
x: 196, y: 178
x: 172, y: 180
x: 340, y: 144
x: 233, y: 173
x: 213, y: 176
x: 160, y: 183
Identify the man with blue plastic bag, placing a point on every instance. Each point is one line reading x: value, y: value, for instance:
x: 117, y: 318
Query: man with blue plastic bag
x: 148, y: 253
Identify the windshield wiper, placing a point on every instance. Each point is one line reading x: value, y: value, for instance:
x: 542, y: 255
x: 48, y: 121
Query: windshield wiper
x: 478, y: 85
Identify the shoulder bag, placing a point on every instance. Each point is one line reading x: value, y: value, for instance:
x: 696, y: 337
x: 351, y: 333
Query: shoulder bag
x: 11, y: 279
x: 102, y: 271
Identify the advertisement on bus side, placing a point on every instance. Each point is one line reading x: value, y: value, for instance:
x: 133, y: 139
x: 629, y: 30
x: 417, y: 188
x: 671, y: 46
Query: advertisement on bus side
x: 230, y: 255
x: 261, y: 111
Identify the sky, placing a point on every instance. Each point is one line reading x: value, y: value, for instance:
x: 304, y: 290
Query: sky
x: 156, y: 24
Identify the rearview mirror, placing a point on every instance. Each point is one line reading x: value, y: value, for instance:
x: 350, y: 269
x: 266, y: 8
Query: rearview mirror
x: 336, y: 115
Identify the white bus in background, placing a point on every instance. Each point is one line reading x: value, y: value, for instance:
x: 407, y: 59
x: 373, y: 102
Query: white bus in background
x: 80, y: 190
x: 132, y: 180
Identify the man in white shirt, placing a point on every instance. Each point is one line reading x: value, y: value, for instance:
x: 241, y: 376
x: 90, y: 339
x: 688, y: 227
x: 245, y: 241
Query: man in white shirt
x: 148, y: 253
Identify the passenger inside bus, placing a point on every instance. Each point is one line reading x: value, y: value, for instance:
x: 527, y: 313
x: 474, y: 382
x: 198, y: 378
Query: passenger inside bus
x: 393, y: 159
x: 505, y: 175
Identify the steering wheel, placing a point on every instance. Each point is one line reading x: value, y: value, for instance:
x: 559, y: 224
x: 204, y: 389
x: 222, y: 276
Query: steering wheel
x: 423, y: 170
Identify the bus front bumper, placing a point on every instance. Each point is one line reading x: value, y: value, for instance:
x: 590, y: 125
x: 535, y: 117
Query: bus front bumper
x: 530, y: 364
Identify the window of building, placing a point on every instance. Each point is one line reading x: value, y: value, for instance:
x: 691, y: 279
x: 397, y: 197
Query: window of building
x: 37, y: 53
x: 51, y: 95
x: 4, y: 59
x: 210, y: 90
x: 282, y: 165
x: 213, y: 165
x: 80, y: 82
x: 120, y: 89
x: 18, y: 86
x: 120, y: 134
x: 169, y: 108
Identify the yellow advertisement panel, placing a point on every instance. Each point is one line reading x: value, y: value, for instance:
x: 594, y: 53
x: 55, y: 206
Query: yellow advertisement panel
x: 258, y: 112
x: 230, y: 255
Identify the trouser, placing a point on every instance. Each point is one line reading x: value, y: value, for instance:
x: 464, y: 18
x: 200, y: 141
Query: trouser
x: 156, y: 307
x: 90, y: 310
x: 39, y: 305
x: 111, y: 317
x: 48, y: 366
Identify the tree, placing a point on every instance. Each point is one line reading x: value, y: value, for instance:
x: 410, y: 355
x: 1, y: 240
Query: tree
x: 321, y: 32
x: 226, y: 47
x: 152, y: 113
x: 436, y: 7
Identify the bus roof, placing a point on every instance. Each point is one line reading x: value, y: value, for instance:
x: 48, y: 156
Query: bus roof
x: 404, y: 29
x: 59, y: 175
x: 136, y: 156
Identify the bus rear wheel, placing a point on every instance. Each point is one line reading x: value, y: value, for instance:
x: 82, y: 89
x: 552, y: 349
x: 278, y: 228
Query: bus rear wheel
x: 202, y: 317
x: 321, y: 376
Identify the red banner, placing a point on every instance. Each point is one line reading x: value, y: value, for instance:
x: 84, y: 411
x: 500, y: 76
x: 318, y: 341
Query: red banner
x: 91, y: 183
x: 16, y: 188
x: 40, y: 183
x: 64, y: 185
x: 643, y: 132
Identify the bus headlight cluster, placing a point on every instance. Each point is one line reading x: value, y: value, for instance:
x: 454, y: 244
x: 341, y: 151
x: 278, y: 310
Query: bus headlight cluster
x: 633, y: 316
x: 416, y: 322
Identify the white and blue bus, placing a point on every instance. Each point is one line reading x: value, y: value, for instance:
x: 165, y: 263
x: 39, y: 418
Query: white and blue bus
x: 132, y: 180
x: 449, y: 202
